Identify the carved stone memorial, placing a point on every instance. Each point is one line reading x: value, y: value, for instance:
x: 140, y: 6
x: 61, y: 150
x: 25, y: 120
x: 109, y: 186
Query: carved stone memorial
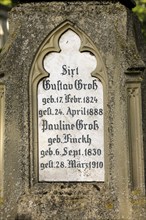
x: 73, y: 112
x: 70, y: 115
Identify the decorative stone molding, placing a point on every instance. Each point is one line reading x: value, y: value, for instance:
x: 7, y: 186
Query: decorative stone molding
x: 136, y: 154
x: 38, y: 72
x: 1, y: 138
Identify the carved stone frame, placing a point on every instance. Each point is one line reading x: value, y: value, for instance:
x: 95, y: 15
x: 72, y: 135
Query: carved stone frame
x: 2, y: 90
x: 38, y: 72
x: 135, y: 134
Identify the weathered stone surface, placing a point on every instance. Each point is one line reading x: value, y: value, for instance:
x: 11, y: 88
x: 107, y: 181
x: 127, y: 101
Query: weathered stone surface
x: 128, y: 3
x: 111, y: 28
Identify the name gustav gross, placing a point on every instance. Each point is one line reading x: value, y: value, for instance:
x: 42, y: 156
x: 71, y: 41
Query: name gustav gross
x: 78, y: 85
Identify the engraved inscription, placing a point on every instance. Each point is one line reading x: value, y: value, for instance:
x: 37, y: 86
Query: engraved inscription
x: 70, y: 116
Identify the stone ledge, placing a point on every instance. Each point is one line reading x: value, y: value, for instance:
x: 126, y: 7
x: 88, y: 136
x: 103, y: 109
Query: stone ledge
x: 128, y: 3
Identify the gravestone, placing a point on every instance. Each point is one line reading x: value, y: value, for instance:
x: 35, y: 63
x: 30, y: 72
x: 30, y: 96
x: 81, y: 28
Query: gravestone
x: 72, y: 112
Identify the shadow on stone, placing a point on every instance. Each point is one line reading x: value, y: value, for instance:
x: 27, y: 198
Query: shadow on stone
x: 23, y: 217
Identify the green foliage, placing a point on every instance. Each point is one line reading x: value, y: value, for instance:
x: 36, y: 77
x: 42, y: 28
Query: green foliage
x: 140, y: 10
x: 6, y: 2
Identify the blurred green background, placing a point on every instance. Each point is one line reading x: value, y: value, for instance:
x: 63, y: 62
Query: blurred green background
x: 140, y: 10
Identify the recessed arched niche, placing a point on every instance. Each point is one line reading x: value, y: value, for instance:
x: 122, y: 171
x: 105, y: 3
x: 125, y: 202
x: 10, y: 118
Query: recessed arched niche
x: 67, y: 87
